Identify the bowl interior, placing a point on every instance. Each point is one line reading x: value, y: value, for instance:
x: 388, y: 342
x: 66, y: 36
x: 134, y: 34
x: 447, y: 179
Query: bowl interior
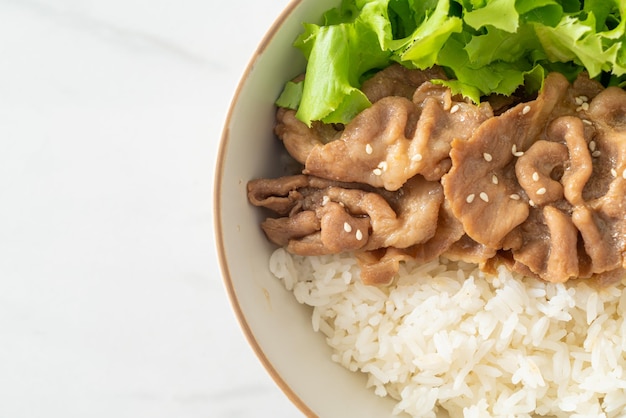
x: 278, y: 328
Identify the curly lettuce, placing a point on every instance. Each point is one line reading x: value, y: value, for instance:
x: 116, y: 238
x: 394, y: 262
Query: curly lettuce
x: 485, y: 46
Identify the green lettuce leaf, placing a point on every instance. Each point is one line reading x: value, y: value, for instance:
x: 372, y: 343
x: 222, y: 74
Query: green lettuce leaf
x: 500, y: 14
x: 430, y: 36
x: 338, y: 55
x: 291, y: 96
x: 486, y: 46
x: 574, y: 40
x: 546, y: 12
x: 499, y: 45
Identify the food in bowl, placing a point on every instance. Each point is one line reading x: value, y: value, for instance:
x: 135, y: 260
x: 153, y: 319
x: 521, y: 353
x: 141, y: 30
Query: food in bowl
x: 464, y: 248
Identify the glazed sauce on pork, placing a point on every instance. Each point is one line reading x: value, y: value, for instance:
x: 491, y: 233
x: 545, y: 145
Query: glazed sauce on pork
x: 538, y: 185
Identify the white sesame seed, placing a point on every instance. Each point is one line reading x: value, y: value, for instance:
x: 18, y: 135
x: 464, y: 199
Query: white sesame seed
x: 487, y: 157
x: 359, y: 235
x: 592, y: 145
x: 541, y: 191
x: 584, y: 98
x: 494, y: 179
x: 470, y: 198
x: 578, y: 100
x: 596, y: 154
x: 383, y: 165
x: 417, y: 157
x: 515, y: 196
x: 515, y: 152
x: 483, y: 196
x: 585, y: 106
x: 531, y: 203
x: 614, y: 172
x: 587, y: 122
x: 377, y: 171
x: 525, y: 110
x: 535, y: 176
x: 347, y: 227
x: 325, y: 200
x: 369, y: 149
x: 454, y: 108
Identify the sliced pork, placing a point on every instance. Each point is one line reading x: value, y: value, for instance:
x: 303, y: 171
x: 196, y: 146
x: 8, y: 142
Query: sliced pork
x: 318, y: 216
x: 391, y: 141
x: 397, y: 80
x: 539, y: 187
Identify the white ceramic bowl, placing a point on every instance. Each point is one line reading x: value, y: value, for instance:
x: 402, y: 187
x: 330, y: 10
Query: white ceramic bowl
x: 277, y: 327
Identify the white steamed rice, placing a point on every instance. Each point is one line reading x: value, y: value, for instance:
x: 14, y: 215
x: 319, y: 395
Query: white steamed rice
x: 450, y: 336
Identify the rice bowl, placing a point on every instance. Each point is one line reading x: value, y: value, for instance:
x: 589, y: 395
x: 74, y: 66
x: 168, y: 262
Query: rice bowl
x: 446, y: 338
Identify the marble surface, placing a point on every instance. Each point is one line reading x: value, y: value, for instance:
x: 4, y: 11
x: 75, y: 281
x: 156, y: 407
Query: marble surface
x: 111, y: 303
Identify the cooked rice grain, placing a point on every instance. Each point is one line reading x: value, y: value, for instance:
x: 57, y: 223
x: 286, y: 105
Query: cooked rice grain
x: 448, y: 336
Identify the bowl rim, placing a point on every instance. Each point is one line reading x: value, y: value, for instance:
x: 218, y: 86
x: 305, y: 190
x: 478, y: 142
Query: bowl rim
x: 217, y: 218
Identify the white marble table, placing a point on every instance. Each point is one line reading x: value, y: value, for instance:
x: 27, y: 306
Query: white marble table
x: 111, y: 304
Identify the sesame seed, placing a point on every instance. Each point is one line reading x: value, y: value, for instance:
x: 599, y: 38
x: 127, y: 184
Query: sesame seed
x: 359, y: 235
x: 487, y: 157
x: 515, y: 152
x: 369, y: 149
x: 483, y: 196
x: 347, y: 227
x: 494, y: 179
x: 587, y: 122
x: 592, y: 145
x: 541, y: 191
x: 525, y: 110
x: 596, y: 154
x: 383, y: 165
x: 470, y: 198
x: 454, y: 108
x: 515, y: 196
x: 416, y: 157
x: 377, y: 171
x: 580, y: 100
x: 535, y: 176
x: 614, y: 172
x: 325, y: 200
x: 583, y: 106
x: 531, y: 203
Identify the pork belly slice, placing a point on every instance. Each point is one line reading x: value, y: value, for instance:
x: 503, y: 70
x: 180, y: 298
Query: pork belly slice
x: 482, y: 186
x: 396, y: 139
x: 299, y: 139
x: 550, y: 250
x: 605, y: 193
x: 381, y: 266
x: 587, y: 237
x: 319, y: 216
x: 401, y: 135
x: 397, y: 80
